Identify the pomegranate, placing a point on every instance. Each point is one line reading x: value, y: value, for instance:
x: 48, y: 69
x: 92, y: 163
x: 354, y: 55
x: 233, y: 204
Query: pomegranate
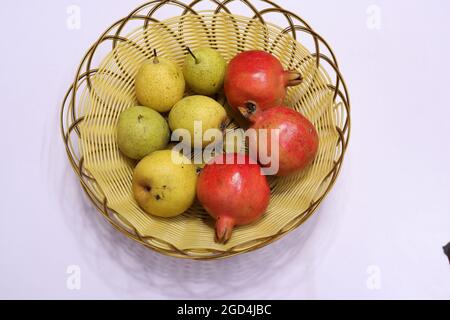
x: 255, y: 81
x: 233, y: 191
x: 298, y: 138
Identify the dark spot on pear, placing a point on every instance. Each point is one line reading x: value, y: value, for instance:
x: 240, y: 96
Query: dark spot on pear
x: 147, y: 188
x: 158, y: 197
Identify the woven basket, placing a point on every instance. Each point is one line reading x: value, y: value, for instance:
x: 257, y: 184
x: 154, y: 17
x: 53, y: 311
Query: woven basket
x: 104, y: 87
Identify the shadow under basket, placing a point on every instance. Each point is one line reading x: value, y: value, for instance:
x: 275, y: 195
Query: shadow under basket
x: 104, y: 87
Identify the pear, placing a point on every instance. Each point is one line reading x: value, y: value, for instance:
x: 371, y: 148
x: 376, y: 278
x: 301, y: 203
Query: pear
x: 204, y: 111
x: 159, y: 84
x: 204, y: 71
x: 164, y: 183
x: 141, y: 131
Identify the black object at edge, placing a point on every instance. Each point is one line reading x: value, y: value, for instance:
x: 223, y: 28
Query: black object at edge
x: 447, y: 251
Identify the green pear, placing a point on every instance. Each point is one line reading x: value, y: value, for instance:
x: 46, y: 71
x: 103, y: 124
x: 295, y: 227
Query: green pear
x: 141, y: 131
x: 204, y: 71
x: 197, y: 114
x: 164, y: 183
x: 159, y: 84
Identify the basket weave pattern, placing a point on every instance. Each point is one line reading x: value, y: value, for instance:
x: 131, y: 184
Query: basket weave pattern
x: 101, y: 90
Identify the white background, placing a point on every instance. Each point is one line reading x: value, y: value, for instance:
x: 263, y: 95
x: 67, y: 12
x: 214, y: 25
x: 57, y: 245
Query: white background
x: 379, y: 234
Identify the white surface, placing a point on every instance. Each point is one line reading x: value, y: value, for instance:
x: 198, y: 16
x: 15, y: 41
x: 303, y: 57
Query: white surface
x: 389, y: 212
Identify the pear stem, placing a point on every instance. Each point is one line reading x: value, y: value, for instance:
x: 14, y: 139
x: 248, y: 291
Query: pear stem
x: 192, y: 54
x: 155, y: 60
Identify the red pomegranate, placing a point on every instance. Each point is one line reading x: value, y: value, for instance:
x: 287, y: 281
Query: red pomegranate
x: 233, y: 191
x: 298, y: 138
x: 255, y: 81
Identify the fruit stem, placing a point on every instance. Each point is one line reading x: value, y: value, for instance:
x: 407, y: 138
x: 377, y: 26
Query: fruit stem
x: 224, y: 124
x: 192, y: 54
x: 293, y: 78
x: 224, y: 229
x: 155, y: 59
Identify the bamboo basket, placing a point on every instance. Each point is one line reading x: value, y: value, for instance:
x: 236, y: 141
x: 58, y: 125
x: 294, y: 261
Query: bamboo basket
x: 103, y: 87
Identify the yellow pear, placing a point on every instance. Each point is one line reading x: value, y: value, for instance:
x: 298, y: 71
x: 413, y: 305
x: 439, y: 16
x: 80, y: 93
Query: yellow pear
x: 204, y: 71
x: 164, y: 183
x: 159, y: 84
x: 141, y: 131
x: 204, y: 111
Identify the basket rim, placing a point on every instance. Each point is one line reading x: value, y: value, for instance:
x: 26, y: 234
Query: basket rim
x: 69, y: 122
